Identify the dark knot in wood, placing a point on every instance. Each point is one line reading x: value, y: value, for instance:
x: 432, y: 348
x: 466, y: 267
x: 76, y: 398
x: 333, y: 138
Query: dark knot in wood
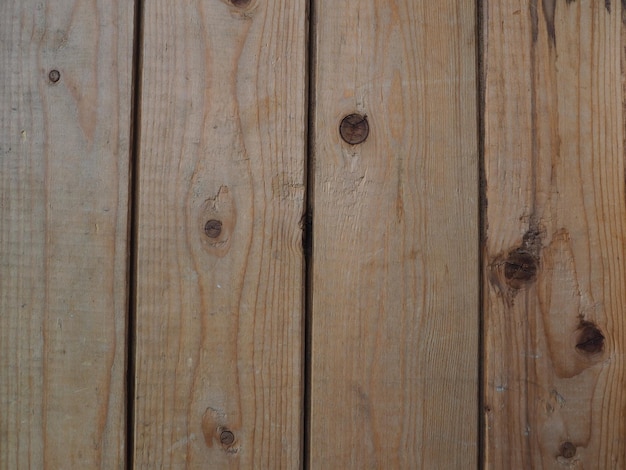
x: 567, y: 450
x: 590, y: 338
x: 520, y: 268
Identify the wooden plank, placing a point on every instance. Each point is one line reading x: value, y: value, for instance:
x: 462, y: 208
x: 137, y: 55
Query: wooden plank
x: 220, y: 265
x: 64, y: 156
x: 555, y: 251
x: 394, y: 273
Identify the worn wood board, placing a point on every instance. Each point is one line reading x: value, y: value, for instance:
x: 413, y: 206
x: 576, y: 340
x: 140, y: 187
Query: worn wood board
x: 220, y: 271
x: 65, y: 99
x: 394, y: 339
x: 555, y: 225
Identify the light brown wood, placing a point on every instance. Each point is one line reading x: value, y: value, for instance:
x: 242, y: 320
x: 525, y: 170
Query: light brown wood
x: 64, y: 163
x: 220, y: 311
x: 555, y: 260
x: 394, y: 276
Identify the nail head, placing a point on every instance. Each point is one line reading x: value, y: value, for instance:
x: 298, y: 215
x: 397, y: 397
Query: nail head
x: 354, y: 128
x: 54, y: 76
x: 213, y: 228
x: 227, y: 437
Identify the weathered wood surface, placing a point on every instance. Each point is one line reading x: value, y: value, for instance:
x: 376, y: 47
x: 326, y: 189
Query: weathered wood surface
x: 219, y: 376
x: 64, y: 155
x: 394, y: 275
x: 555, y: 260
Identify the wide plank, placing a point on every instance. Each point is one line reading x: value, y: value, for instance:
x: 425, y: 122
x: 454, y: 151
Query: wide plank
x: 65, y: 99
x: 394, y: 282
x: 220, y: 271
x: 555, y: 236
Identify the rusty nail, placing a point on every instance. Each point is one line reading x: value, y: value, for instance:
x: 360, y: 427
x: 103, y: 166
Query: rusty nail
x: 54, y: 76
x: 567, y: 450
x: 354, y: 128
x: 227, y: 437
x: 213, y: 228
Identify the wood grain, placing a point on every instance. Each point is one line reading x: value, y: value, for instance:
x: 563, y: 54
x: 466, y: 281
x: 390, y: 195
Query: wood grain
x: 64, y: 156
x: 555, y: 261
x: 394, y: 276
x: 220, y: 311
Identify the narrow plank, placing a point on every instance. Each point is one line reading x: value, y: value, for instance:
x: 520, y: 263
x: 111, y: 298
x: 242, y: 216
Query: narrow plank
x: 219, y: 261
x: 394, y: 342
x: 555, y: 251
x: 64, y: 156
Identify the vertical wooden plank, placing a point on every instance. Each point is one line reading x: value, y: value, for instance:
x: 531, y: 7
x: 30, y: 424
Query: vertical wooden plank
x: 555, y: 250
x: 395, y: 276
x: 220, y: 265
x: 64, y: 156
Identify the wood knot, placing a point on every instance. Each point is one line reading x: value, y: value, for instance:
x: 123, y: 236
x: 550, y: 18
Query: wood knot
x: 567, y: 450
x: 520, y: 268
x: 590, y: 340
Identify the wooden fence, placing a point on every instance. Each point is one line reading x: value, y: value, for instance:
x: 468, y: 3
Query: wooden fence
x: 312, y: 233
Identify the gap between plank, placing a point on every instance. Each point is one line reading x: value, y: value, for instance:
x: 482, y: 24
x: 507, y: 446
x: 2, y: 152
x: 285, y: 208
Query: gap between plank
x: 482, y: 232
x: 133, y: 189
x: 307, y: 241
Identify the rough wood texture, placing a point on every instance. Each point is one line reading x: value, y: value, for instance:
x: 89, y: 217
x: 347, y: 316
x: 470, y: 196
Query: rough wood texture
x: 220, y: 265
x: 395, y: 279
x: 555, y: 261
x: 64, y: 153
